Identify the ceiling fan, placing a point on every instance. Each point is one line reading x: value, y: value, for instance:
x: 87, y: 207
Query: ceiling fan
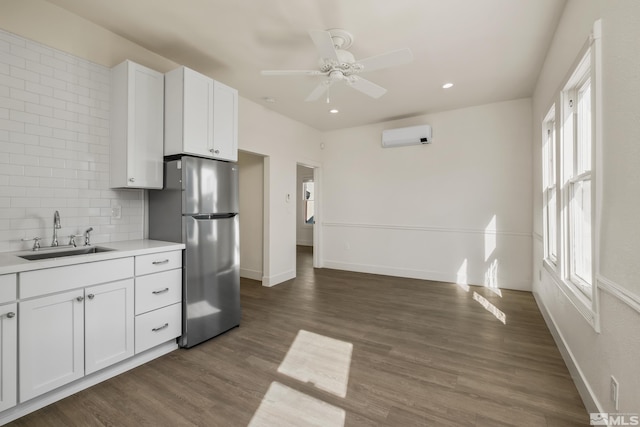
x: 337, y: 64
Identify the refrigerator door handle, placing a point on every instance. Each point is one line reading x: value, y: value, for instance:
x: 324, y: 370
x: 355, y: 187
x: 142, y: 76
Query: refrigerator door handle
x: 205, y: 217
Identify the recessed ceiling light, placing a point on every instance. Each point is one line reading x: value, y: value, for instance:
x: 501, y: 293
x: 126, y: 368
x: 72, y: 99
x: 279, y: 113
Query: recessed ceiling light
x: 269, y: 100
x: 334, y: 111
x: 447, y: 85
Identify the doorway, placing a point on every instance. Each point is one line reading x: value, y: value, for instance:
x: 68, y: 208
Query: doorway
x: 306, y: 215
x: 251, y: 199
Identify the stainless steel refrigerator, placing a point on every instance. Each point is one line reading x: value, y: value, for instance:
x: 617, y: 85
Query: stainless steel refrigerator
x: 199, y: 207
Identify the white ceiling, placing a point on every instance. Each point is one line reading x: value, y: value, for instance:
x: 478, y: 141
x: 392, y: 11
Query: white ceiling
x: 492, y: 50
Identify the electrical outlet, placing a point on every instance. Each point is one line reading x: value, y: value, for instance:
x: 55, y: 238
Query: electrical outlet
x: 116, y: 212
x: 614, y: 392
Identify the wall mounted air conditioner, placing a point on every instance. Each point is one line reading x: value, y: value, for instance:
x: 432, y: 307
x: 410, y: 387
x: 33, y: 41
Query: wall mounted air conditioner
x: 414, y: 135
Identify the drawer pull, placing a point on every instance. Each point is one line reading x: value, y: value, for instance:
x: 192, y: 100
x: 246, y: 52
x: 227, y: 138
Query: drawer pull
x: 160, y: 262
x: 159, y: 328
x: 11, y: 315
x: 161, y: 291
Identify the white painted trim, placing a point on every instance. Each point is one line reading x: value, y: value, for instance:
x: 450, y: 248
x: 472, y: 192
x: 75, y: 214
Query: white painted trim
x: 85, y: 382
x: 581, y: 303
x: 250, y: 274
x: 589, y: 398
x: 278, y: 278
x: 428, y: 229
x: 437, y: 276
x: 619, y: 292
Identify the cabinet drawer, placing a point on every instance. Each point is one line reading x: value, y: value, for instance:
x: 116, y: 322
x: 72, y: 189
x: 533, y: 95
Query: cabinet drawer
x: 158, y: 326
x: 153, y: 263
x: 57, y: 279
x: 158, y: 290
x: 8, y: 290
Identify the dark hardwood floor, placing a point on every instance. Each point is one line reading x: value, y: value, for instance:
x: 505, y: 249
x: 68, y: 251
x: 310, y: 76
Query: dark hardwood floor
x: 422, y: 353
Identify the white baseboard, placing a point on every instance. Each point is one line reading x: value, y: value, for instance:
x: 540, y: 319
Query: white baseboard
x: 278, y: 278
x: 437, y: 276
x: 60, y: 393
x: 584, y: 389
x: 251, y: 274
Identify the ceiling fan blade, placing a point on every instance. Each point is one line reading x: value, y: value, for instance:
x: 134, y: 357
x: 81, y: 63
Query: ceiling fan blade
x: 386, y: 60
x: 291, y: 72
x: 324, y: 44
x: 366, y: 87
x: 319, y: 91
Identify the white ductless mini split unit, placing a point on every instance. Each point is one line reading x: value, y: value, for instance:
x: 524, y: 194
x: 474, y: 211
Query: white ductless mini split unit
x: 413, y: 135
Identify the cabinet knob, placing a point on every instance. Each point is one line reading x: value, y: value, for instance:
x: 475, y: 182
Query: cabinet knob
x: 215, y: 151
x: 132, y: 180
x: 79, y: 299
x: 91, y: 296
x: 11, y: 315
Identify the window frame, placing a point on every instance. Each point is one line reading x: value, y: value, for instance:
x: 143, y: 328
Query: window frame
x: 587, y: 68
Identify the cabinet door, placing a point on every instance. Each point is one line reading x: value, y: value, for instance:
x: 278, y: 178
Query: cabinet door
x: 145, y: 127
x: 51, y: 342
x: 198, y: 114
x: 225, y: 122
x: 109, y: 324
x: 8, y: 355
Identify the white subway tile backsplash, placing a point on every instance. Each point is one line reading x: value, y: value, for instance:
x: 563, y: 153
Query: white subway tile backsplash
x: 41, y: 69
x: 38, y: 88
x: 54, y: 148
x: 23, y: 95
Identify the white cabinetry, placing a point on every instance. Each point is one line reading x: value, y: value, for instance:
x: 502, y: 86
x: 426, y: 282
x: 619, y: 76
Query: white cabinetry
x: 137, y: 110
x: 8, y: 342
x: 109, y: 316
x: 64, y: 334
x: 51, y: 342
x: 225, y: 122
x: 200, y: 116
x: 158, y: 299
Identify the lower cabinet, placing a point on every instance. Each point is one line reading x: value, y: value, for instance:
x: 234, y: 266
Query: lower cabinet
x: 108, y: 323
x: 68, y: 335
x: 8, y: 355
x: 51, y: 342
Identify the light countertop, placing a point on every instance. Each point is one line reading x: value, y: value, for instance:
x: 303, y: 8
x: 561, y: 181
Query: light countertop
x: 10, y: 262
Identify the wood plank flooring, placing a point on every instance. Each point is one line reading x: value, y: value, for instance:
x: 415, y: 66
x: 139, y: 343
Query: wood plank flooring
x: 418, y: 354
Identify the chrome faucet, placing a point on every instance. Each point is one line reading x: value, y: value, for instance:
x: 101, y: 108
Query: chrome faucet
x: 87, y: 236
x: 56, y: 227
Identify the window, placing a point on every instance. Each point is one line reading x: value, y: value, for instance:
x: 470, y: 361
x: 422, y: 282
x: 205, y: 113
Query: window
x: 307, y: 199
x: 571, y: 186
x: 576, y: 173
x: 550, y: 220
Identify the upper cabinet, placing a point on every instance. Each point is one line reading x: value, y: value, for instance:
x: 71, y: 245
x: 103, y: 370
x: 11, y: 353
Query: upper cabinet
x: 201, y: 116
x: 225, y: 122
x: 137, y: 110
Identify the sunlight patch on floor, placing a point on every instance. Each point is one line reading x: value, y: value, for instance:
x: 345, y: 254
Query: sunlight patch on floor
x: 284, y: 406
x: 319, y: 360
x: 490, y: 307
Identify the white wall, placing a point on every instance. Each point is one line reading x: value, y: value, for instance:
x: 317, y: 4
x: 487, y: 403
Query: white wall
x: 251, y: 183
x: 456, y: 210
x: 304, y: 232
x: 54, y: 149
x: 285, y: 142
x: 593, y: 357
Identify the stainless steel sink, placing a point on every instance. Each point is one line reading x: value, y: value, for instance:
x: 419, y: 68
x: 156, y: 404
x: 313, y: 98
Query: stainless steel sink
x: 65, y: 253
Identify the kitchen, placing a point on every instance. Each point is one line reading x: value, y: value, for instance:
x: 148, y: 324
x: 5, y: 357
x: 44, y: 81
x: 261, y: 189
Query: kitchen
x: 84, y: 194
